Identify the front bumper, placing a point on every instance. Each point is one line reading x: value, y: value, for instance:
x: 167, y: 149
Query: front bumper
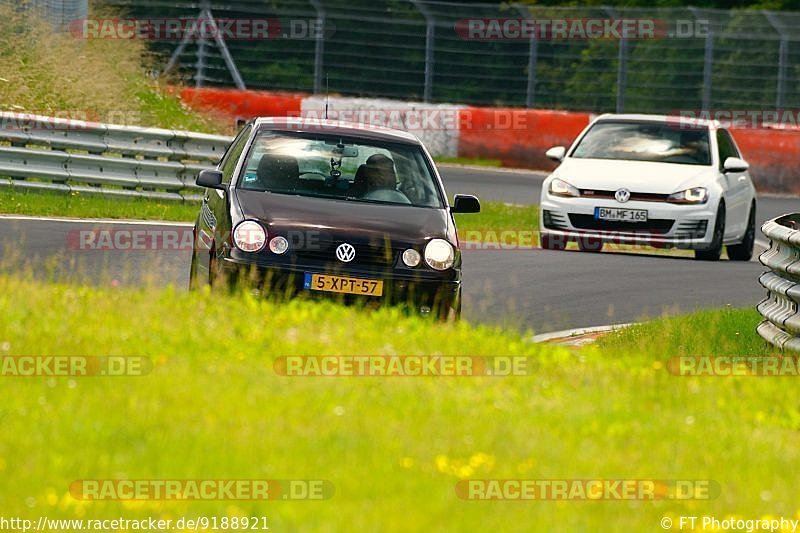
x: 423, y: 289
x: 668, y: 225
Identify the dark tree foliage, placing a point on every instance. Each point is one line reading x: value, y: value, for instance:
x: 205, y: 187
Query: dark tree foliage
x: 377, y: 48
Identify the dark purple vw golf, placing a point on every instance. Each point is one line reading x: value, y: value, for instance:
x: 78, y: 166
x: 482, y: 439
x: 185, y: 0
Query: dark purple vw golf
x: 323, y: 207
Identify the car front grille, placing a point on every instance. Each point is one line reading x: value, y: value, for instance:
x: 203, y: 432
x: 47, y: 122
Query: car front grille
x: 324, y: 251
x: 635, y: 196
x: 588, y: 222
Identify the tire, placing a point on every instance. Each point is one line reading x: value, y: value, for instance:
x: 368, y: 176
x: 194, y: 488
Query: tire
x: 744, y: 250
x: 451, y: 312
x: 213, y: 271
x: 714, y: 251
x: 455, y: 312
x: 552, y: 242
x: 193, y: 274
x: 590, y: 244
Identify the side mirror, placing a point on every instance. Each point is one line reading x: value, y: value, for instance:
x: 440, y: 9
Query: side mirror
x: 210, y: 178
x: 556, y: 153
x: 734, y: 164
x: 466, y: 203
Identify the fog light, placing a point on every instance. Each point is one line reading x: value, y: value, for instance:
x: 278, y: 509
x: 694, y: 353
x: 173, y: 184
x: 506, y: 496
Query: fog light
x: 278, y: 245
x: 411, y: 257
x: 425, y: 310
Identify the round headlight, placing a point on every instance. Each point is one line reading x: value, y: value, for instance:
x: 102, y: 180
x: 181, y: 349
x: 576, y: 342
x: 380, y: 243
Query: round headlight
x: 439, y: 254
x: 249, y: 236
x: 278, y: 245
x: 411, y: 257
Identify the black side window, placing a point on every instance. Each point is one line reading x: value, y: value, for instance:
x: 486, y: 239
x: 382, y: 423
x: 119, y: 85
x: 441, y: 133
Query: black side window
x: 726, y: 147
x: 231, y: 157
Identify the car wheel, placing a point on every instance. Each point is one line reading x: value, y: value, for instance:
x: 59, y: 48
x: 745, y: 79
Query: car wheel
x: 451, y: 312
x: 713, y: 252
x: 590, y: 244
x: 454, y: 313
x: 193, y: 273
x: 744, y: 250
x: 213, y: 271
x: 552, y: 242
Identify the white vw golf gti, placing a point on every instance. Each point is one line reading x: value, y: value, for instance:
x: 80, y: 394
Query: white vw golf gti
x: 655, y: 180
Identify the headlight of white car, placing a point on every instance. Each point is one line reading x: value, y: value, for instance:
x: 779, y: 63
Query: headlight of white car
x: 249, y: 236
x: 695, y: 195
x: 439, y: 254
x: 559, y: 187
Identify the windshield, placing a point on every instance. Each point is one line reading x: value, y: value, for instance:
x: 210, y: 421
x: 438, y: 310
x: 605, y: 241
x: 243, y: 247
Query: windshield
x: 645, y: 141
x: 338, y: 168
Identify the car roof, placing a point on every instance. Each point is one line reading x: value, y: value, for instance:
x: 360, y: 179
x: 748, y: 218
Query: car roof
x: 337, y: 127
x: 633, y: 117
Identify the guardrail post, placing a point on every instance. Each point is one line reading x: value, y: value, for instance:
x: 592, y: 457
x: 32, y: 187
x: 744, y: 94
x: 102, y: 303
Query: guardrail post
x: 319, y: 45
x: 533, y: 53
x: 200, y: 64
x: 430, y: 36
x: 783, y: 53
x: 622, y: 64
x: 206, y: 15
x: 708, y: 62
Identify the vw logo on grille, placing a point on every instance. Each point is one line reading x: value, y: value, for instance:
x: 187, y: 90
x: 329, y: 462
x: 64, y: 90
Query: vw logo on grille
x: 345, y: 252
x: 622, y: 195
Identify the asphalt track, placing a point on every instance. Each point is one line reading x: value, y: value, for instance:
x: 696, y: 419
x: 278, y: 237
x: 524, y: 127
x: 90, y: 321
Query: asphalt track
x: 537, y: 289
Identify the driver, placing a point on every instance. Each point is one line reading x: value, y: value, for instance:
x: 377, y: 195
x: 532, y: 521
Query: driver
x: 381, y: 180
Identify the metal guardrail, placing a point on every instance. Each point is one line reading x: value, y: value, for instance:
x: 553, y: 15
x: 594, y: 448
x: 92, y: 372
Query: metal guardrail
x: 781, y: 324
x: 49, y: 153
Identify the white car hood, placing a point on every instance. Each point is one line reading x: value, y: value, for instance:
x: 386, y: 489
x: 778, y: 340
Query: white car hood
x: 636, y: 176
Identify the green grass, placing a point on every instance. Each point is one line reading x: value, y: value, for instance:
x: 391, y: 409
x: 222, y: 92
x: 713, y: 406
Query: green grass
x: 213, y: 408
x: 493, y: 216
x: 502, y: 223
x: 36, y: 203
x: 716, y: 332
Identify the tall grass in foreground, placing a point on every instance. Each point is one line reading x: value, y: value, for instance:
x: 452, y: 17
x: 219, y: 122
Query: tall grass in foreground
x: 214, y: 408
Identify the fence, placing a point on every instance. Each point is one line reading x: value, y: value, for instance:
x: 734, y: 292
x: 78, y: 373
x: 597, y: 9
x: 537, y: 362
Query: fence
x: 89, y: 158
x: 781, y: 325
x: 697, y: 59
x: 60, y: 13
